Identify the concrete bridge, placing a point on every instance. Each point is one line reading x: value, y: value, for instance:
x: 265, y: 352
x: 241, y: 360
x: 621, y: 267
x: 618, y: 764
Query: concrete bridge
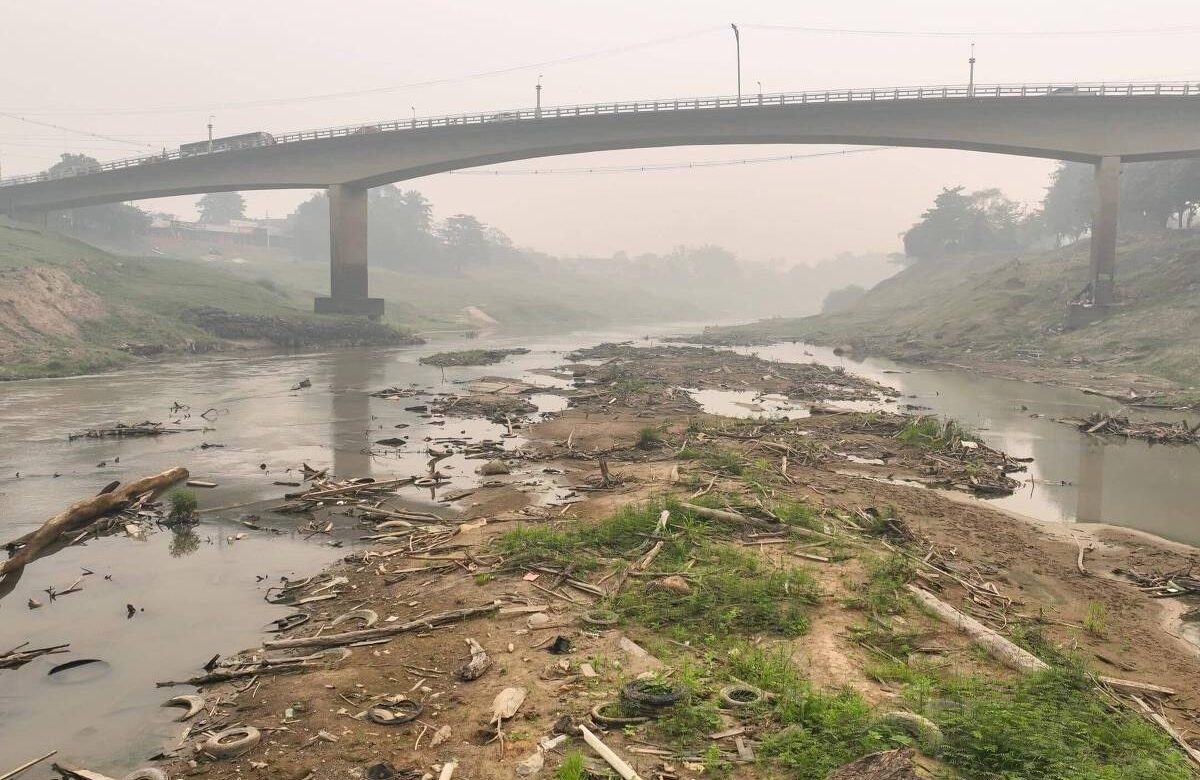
x: 1101, y: 124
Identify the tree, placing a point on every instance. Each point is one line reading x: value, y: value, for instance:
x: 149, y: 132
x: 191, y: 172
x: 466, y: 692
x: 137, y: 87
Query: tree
x: 218, y: 208
x: 72, y: 163
x: 114, y: 221
x: 401, y: 234
x: 1067, y: 207
x: 958, y: 223
x: 309, y: 226
x: 842, y: 298
x: 464, y: 241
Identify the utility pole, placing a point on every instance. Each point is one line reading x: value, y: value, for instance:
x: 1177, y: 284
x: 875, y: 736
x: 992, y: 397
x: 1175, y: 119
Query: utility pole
x: 737, y: 40
x: 210, y: 121
x: 971, y: 78
x: 538, y: 111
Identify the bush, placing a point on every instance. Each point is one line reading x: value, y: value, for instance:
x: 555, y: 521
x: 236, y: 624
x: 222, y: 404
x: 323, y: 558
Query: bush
x: 649, y: 439
x: 183, y: 504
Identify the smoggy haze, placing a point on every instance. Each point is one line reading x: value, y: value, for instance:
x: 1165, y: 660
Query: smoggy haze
x: 153, y: 72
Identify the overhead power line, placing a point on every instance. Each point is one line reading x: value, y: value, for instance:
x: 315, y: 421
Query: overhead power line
x: 73, y: 130
x: 1113, y: 33
x: 653, y: 167
x: 609, y: 52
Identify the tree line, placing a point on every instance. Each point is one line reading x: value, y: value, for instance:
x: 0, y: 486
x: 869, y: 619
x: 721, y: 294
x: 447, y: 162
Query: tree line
x: 1155, y: 196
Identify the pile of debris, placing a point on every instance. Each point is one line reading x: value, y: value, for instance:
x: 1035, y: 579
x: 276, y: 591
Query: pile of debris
x: 1159, y: 586
x: 471, y: 357
x: 128, y: 431
x: 1150, y: 430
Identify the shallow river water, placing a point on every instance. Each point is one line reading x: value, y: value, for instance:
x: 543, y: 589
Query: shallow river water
x: 197, y: 596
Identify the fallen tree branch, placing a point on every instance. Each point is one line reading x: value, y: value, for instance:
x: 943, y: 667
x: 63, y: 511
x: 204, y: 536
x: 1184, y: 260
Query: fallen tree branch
x: 32, y: 546
x: 996, y: 645
x: 348, y: 637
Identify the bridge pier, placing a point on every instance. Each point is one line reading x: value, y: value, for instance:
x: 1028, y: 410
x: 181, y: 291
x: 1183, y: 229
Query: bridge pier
x: 348, y: 255
x: 1104, y: 231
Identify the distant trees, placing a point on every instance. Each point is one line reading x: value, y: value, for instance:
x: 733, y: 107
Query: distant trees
x: 219, y: 208
x: 403, y: 234
x: 1153, y: 196
x: 842, y: 298
x: 959, y: 223
x: 117, y: 222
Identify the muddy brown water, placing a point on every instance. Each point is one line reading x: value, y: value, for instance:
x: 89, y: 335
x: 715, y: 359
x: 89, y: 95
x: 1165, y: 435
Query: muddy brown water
x: 197, y: 596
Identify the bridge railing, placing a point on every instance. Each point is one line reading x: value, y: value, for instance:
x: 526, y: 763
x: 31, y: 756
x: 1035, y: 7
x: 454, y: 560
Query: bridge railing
x: 949, y: 92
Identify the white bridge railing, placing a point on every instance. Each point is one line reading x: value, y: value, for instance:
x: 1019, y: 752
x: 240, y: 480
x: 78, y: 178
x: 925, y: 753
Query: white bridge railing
x: 956, y: 92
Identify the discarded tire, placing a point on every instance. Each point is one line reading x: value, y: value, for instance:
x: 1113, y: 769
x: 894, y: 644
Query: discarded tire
x: 612, y: 719
x: 395, y: 713
x: 653, y: 693
x: 735, y: 696
x: 289, y: 621
x: 369, y: 617
x: 193, y: 703
x: 233, y: 742
x: 149, y: 773
x: 921, y: 729
x: 600, y: 618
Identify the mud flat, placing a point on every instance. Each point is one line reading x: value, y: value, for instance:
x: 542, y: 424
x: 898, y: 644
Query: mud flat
x: 707, y: 597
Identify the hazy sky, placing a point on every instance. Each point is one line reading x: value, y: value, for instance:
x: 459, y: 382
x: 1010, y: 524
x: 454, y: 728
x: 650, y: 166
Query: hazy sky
x: 151, y: 72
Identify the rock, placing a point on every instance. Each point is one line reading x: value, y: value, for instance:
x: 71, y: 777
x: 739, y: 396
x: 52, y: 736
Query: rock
x: 494, y: 468
x: 674, y: 583
x: 440, y: 736
x: 889, y: 765
x: 537, y: 620
x: 531, y: 764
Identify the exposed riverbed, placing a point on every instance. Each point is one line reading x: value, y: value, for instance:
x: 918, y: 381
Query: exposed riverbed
x: 208, y: 588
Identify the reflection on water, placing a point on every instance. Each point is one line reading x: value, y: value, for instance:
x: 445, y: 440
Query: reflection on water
x: 1074, y: 477
x: 195, y: 591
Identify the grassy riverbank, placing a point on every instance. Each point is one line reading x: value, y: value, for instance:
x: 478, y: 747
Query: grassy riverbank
x: 1010, y: 308
x: 68, y: 308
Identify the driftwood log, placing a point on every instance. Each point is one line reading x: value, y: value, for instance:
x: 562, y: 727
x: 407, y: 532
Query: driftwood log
x: 366, y: 634
x: 996, y: 645
x: 82, y: 513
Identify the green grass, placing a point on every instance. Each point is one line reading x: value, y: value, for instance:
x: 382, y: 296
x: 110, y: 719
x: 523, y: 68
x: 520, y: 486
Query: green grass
x: 1051, y: 726
x: 572, y: 767
x: 732, y: 593
x: 1095, y: 623
x: 1046, y: 726
x: 144, y: 300
x: 931, y: 433
x: 649, y: 439
x: 884, y: 589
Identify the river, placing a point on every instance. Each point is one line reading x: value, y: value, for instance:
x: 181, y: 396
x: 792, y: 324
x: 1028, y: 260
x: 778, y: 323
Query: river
x: 196, y: 595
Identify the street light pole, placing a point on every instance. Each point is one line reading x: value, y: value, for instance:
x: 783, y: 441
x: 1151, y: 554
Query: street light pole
x: 210, y: 121
x: 737, y: 40
x: 414, y: 119
x: 971, y: 79
x: 538, y: 111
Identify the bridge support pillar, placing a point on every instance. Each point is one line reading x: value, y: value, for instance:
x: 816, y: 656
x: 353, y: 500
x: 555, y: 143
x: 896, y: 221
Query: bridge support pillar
x: 1104, y: 230
x: 348, y: 255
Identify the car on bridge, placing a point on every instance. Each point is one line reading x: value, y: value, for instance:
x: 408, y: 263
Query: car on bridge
x: 227, y: 144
